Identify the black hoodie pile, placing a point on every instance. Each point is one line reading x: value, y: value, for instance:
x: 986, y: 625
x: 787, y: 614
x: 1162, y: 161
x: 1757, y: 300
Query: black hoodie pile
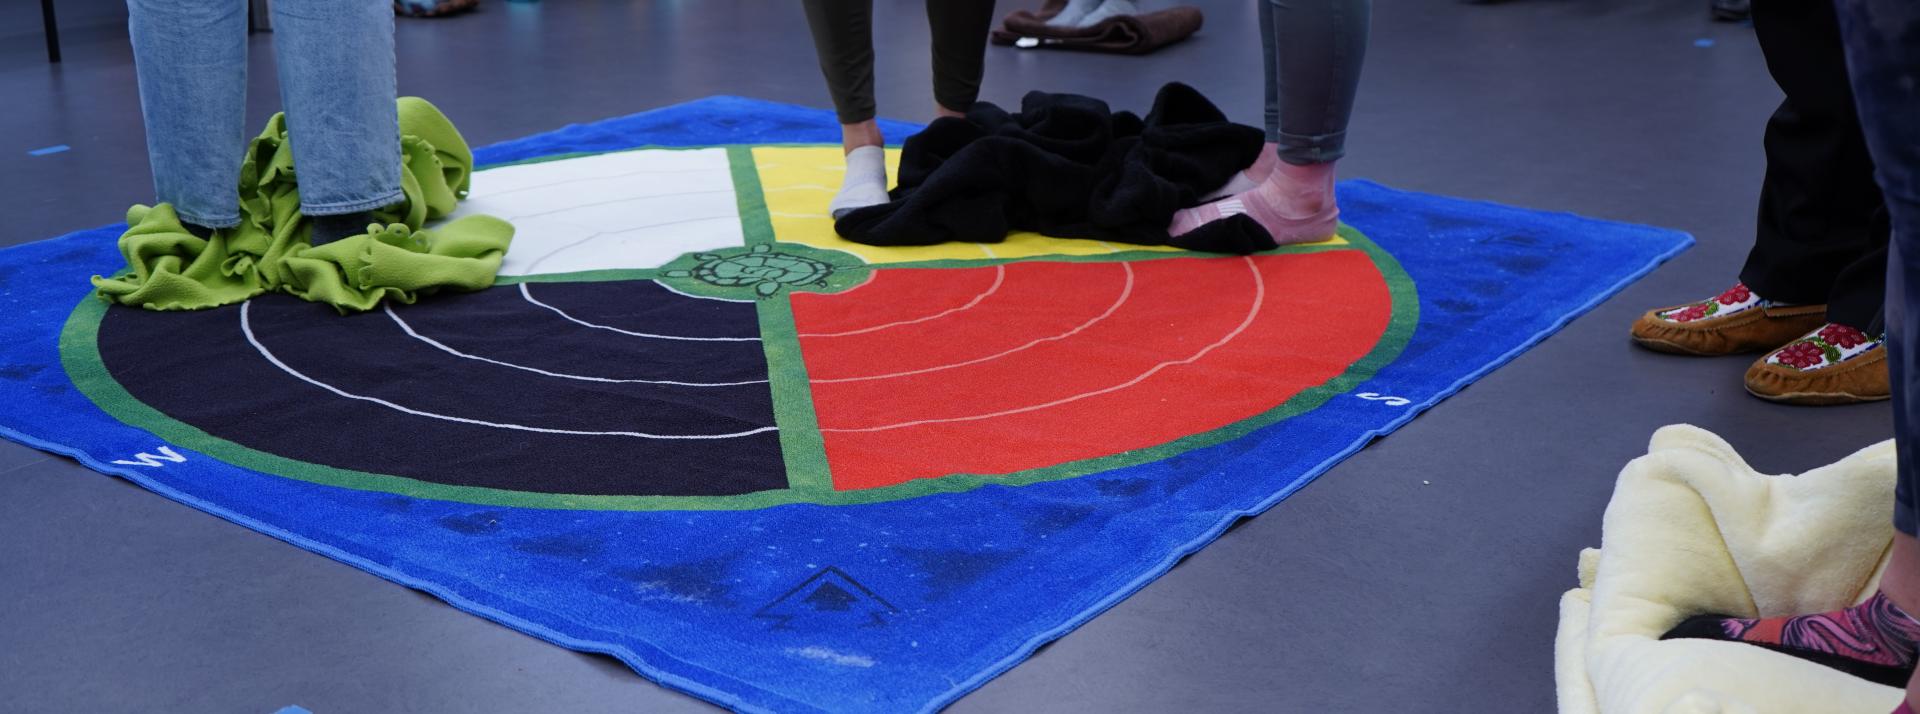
x: 1067, y: 166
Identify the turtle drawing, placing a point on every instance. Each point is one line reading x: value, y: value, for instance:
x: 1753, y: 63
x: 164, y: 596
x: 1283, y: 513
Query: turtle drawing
x: 761, y: 268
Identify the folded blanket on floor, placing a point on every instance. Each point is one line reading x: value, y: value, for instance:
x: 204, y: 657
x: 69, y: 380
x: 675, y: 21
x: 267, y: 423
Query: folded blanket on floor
x: 1068, y: 167
x: 1122, y: 34
x: 171, y: 269
x: 1692, y: 529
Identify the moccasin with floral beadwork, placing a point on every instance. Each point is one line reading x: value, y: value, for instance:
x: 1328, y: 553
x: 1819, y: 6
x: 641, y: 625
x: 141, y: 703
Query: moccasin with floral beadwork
x: 1732, y: 322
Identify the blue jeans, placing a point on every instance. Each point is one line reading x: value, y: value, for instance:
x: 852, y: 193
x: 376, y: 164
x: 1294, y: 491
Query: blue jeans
x: 336, y: 82
x: 1313, y: 51
x: 1883, y: 59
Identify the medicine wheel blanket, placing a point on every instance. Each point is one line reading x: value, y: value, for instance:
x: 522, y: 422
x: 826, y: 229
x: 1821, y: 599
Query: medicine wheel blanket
x: 696, y: 430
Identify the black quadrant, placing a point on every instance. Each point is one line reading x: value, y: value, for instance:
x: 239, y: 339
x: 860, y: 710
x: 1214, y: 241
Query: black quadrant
x: 487, y: 390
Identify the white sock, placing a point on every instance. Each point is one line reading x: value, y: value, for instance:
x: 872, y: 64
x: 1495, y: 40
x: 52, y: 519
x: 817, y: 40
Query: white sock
x: 1110, y: 8
x: 865, y: 184
x: 1075, y: 11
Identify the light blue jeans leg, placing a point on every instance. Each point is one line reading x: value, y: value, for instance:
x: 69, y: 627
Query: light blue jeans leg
x: 1313, y: 51
x: 1882, y: 39
x: 337, y: 83
x: 191, y: 60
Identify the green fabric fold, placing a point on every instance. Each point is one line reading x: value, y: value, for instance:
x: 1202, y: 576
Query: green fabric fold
x: 397, y: 259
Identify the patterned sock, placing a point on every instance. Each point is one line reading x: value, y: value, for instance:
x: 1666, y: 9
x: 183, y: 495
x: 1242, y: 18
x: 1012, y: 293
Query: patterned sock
x: 1734, y: 300
x: 1832, y: 344
x: 1874, y: 640
x: 1295, y: 204
x: 865, y: 184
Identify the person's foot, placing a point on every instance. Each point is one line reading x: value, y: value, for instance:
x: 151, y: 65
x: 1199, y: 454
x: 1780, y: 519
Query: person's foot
x: 1110, y: 8
x: 1874, y: 640
x: 1731, y: 10
x: 1295, y: 204
x: 865, y: 184
x: 1735, y: 321
x: 1073, y: 13
x: 1835, y: 364
x: 1250, y: 177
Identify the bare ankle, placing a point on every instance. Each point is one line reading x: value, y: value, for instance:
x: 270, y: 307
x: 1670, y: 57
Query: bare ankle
x: 1901, y: 582
x: 866, y: 133
x: 1304, y: 174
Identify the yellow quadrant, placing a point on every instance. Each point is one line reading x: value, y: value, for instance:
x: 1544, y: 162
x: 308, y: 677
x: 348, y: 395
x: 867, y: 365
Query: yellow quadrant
x: 798, y: 182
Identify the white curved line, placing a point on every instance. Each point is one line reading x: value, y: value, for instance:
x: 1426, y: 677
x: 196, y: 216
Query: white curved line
x: 872, y: 276
x: 999, y: 276
x: 1125, y: 293
x: 584, y: 378
x: 671, y: 289
x: 246, y: 326
x: 1259, y: 298
x: 570, y: 246
x: 585, y: 179
x: 524, y: 293
x: 619, y: 200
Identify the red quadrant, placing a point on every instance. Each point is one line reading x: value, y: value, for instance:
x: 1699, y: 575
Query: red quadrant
x: 1026, y: 365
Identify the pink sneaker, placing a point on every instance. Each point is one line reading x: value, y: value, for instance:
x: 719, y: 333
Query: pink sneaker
x: 1295, y: 204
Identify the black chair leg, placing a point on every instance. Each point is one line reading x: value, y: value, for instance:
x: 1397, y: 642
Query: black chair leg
x: 53, y: 30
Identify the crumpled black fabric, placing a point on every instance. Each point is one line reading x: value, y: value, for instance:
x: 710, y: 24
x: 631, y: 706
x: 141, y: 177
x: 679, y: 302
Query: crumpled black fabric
x: 1067, y: 166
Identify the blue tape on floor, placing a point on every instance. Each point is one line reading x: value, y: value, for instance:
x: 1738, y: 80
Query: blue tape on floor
x: 49, y: 150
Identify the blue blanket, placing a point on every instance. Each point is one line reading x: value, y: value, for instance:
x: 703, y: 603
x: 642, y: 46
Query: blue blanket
x: 819, y: 600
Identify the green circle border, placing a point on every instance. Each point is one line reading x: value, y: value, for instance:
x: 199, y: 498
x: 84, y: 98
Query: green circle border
x: 80, y: 355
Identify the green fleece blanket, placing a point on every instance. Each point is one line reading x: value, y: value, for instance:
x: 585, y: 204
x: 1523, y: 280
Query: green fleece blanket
x: 397, y: 259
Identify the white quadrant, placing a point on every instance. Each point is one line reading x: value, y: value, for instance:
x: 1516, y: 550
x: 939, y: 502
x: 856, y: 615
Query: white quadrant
x: 625, y: 210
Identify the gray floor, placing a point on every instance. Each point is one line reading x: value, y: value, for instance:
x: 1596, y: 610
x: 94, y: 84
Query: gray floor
x: 1369, y: 591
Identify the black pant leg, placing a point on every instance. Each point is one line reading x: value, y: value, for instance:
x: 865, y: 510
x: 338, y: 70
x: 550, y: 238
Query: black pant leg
x: 843, y: 40
x: 1818, y: 240
x: 960, y: 29
x: 1859, y: 294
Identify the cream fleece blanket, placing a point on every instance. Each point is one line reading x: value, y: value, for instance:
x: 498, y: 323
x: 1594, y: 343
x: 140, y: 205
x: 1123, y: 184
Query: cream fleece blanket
x: 1693, y: 529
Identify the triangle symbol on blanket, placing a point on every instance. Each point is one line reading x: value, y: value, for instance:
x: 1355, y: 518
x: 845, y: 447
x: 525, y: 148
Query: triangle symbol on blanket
x: 827, y: 599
